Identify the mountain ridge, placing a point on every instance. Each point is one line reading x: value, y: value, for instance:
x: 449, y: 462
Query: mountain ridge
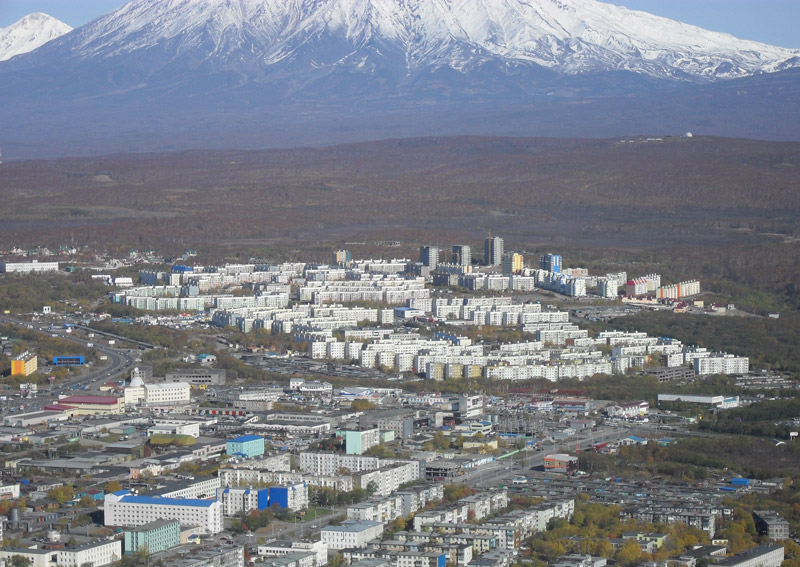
x: 30, y: 33
x: 177, y: 74
x: 569, y: 36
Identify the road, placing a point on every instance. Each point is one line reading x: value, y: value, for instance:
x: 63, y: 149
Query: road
x: 118, y: 364
x: 503, y: 471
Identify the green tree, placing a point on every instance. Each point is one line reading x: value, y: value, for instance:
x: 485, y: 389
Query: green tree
x: 20, y: 561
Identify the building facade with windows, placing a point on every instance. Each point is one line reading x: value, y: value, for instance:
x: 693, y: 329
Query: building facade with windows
x: 247, y: 445
x: 122, y: 508
x: 153, y: 537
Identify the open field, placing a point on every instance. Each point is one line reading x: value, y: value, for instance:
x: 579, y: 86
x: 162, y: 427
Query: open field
x: 725, y: 210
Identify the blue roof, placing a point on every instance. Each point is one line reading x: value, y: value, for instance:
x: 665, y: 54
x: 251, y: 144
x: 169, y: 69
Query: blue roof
x: 635, y: 438
x: 167, y: 501
x: 121, y: 492
x: 244, y: 439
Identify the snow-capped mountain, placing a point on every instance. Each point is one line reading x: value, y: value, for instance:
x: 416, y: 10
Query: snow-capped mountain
x: 29, y: 33
x: 175, y: 74
x: 566, y: 36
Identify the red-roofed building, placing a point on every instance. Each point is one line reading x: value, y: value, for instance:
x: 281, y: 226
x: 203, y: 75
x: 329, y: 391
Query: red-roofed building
x: 90, y: 405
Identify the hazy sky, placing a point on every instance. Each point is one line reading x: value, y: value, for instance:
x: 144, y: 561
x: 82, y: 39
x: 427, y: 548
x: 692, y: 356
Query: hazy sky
x: 769, y: 21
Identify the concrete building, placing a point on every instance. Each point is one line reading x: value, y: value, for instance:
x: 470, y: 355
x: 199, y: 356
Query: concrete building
x: 357, y: 442
x: 211, y: 557
x: 89, y: 405
x: 560, y: 462
x: 153, y: 537
x: 122, y: 508
x: 25, y: 364
x: 462, y: 255
x: 771, y: 524
x: 351, y: 533
x: 28, y: 267
x: 551, y: 263
x: 174, y: 427
x: 167, y: 393
x: 248, y: 446
x: 96, y: 553
x: 512, y: 263
x: 198, y: 376
x: 429, y: 256
x: 284, y: 548
x: 761, y: 556
x: 342, y: 257
x: 721, y: 402
x: 721, y: 363
x: 291, y: 495
x: 493, y: 251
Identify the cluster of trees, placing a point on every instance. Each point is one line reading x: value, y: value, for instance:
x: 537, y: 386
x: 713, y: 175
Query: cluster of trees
x: 771, y: 418
x: 29, y: 292
x: 264, y: 339
x: 594, y: 524
x: 154, y: 334
x: 695, y: 459
x: 454, y: 492
x: 163, y: 439
x: 324, y: 496
x: 256, y: 519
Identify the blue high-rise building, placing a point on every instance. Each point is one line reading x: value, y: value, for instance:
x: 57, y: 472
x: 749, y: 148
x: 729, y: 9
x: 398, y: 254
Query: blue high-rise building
x: 551, y: 263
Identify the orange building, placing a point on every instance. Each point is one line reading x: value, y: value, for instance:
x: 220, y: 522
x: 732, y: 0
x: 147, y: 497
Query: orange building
x: 561, y: 463
x: 24, y: 365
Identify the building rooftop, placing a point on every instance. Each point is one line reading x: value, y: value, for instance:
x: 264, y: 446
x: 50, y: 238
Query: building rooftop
x: 245, y: 439
x: 100, y: 400
x: 352, y: 526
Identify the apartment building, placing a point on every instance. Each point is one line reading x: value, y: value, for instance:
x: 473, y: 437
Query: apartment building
x: 122, y: 508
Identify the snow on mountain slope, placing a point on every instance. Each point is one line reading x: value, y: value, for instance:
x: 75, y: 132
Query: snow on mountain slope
x: 567, y: 36
x: 32, y: 31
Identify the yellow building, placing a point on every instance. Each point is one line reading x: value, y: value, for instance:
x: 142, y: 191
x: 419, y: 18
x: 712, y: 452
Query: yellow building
x: 512, y: 263
x: 24, y: 365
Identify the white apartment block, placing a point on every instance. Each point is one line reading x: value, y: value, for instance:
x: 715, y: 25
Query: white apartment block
x: 721, y: 363
x: 382, y: 510
x: 351, y: 533
x: 454, y: 514
x: 388, y: 479
x: 124, y: 509
x: 678, y: 290
x: 276, y: 549
x: 95, y: 553
x: 167, y: 393
x: 237, y: 477
x: 194, y: 489
x: 415, y: 499
x: 329, y: 464
x: 28, y: 267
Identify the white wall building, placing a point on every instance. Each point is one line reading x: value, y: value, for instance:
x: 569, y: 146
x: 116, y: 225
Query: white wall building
x: 167, y: 393
x: 28, y: 267
x: 721, y: 363
x: 122, y: 508
x: 351, y: 533
x: 95, y: 553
